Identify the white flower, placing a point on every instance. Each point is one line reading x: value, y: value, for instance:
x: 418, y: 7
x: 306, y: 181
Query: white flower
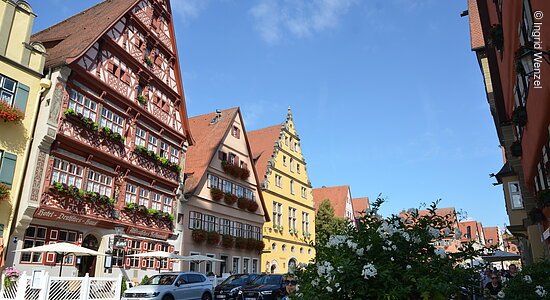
x: 440, y: 252
x: 360, y: 251
x: 391, y: 258
x: 527, y: 279
x: 337, y: 284
x: 434, y: 232
x: 315, y: 282
x: 369, y: 271
x: 412, y: 211
x: 329, y: 289
x: 409, y: 267
x: 501, y: 294
x: 540, y: 291
x: 446, y: 231
x: 458, y: 234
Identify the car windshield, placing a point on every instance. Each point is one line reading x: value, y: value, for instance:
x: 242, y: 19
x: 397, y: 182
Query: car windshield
x: 238, y: 279
x: 268, y: 279
x: 167, y: 279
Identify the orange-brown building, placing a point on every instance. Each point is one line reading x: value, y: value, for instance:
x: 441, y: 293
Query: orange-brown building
x: 472, y: 231
x: 340, y: 198
x: 493, y: 237
x: 360, y: 205
x: 105, y: 169
x: 508, y: 38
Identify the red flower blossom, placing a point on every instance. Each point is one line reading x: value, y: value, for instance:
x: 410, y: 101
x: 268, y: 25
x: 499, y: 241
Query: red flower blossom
x: 9, y: 113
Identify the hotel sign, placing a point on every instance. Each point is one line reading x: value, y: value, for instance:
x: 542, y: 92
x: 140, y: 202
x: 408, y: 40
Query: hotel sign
x: 48, y: 214
x: 147, y: 233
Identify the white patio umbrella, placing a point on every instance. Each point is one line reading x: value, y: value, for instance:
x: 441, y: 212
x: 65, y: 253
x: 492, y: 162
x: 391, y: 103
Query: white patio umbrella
x: 501, y: 256
x: 199, y: 258
x: 160, y: 255
x: 62, y: 249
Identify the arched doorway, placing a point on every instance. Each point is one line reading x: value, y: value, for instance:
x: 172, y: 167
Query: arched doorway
x: 87, y: 263
x: 291, y: 265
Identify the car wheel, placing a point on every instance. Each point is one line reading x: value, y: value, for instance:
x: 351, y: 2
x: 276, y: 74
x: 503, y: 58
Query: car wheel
x: 168, y: 297
x: 206, y: 296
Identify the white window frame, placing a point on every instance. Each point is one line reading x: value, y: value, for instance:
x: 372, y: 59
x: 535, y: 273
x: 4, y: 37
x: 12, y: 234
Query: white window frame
x: 512, y: 194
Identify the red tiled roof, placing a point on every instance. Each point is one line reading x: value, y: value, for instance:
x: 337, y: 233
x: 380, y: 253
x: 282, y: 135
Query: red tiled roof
x: 207, y: 141
x: 476, y: 33
x: 262, y: 142
x: 441, y: 212
x: 490, y: 233
x: 67, y: 40
x: 359, y: 205
x: 337, y: 196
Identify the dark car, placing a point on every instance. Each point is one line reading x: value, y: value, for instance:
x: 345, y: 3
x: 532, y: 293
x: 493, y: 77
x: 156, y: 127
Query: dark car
x: 229, y: 288
x: 265, y: 287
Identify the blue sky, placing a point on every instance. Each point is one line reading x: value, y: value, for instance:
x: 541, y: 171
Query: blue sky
x: 386, y: 94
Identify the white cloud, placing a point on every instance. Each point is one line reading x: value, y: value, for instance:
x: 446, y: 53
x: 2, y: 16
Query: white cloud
x: 301, y: 18
x: 188, y: 9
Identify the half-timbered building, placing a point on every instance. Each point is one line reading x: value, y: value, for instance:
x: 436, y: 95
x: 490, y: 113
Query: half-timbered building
x: 105, y: 171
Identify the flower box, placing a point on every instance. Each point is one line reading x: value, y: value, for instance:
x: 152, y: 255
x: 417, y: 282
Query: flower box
x: 9, y: 113
x: 87, y: 122
x: 241, y: 243
x: 519, y: 117
x: 142, y: 99
x: 516, y: 149
x: 235, y: 171
x: 114, y: 136
x: 216, y: 194
x: 250, y: 244
x: 4, y: 192
x: 199, y: 235
x: 227, y: 241
x: 148, y: 61
x: 252, y: 206
x: 163, y: 161
x: 212, y: 238
x: 230, y: 199
x: 259, y: 246
x: 242, y: 202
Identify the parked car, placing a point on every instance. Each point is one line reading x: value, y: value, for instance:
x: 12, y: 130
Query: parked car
x: 230, y: 287
x: 172, y: 286
x: 265, y: 287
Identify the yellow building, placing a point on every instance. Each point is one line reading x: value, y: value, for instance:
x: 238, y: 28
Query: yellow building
x: 287, y: 193
x: 21, y: 66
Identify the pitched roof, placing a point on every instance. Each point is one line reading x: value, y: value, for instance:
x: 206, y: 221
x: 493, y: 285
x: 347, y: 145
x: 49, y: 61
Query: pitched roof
x: 337, y: 196
x: 491, y: 233
x: 68, y: 39
x: 208, y: 135
x: 442, y: 212
x: 359, y: 205
x: 207, y: 140
x: 262, y: 142
x: 476, y: 33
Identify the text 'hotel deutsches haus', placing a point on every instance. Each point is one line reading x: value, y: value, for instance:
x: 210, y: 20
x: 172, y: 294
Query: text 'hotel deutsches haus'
x: 105, y: 167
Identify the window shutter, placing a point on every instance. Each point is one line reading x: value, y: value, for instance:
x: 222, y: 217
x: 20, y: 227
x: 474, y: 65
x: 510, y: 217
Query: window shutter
x: 236, y: 160
x: 21, y: 96
x: 238, y: 133
x: 110, y: 66
x: 220, y: 155
x: 7, y: 168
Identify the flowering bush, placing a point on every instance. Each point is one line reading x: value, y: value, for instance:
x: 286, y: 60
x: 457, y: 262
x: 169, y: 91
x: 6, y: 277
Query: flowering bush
x: 9, y: 113
x: 531, y: 283
x: 388, y: 258
x: 11, y: 274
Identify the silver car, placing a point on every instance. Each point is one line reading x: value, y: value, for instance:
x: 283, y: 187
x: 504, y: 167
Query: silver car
x: 172, y: 286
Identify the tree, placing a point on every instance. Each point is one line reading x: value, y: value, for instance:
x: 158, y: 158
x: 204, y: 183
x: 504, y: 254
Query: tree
x: 326, y: 223
x: 388, y: 258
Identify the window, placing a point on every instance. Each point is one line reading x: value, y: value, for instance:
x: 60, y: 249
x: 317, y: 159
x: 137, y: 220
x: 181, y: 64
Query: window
x: 283, y: 248
x: 515, y: 195
x: 111, y: 120
x: 167, y: 207
x: 7, y: 89
x: 143, y: 197
x: 291, y: 218
x: 236, y: 132
x: 83, y: 105
x: 303, y: 192
x: 7, y: 168
x: 292, y: 164
x: 66, y: 172
x: 254, y: 265
x: 301, y: 250
x: 292, y: 187
x: 279, y: 181
x: 131, y: 196
x: 152, y: 143
x: 225, y: 226
x: 174, y: 155
x: 99, y: 183
x: 284, y: 160
x: 274, y: 246
x: 305, y: 222
x: 164, y: 150
x: 295, y: 146
x: 193, y: 266
x: 156, y: 201
x: 209, y: 223
x: 195, y: 220
x: 277, y: 213
x: 140, y: 137
x: 298, y: 168
x: 209, y: 264
x: 246, y: 262
x: 286, y: 140
x: 236, y: 265
x: 34, y: 236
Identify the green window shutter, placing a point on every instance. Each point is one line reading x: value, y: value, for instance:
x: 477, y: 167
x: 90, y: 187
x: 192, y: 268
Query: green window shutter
x: 7, y: 168
x: 21, y: 96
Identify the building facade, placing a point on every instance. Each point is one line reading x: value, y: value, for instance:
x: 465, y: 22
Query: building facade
x: 104, y: 170
x: 21, y: 66
x: 287, y: 192
x: 508, y: 39
x: 340, y: 199
x: 472, y: 231
x: 493, y: 237
x: 225, y: 210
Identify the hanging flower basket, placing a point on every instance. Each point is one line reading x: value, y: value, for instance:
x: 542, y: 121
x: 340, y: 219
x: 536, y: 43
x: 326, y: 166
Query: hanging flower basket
x: 519, y: 117
x: 241, y: 243
x: 242, y: 203
x: 235, y: 171
x: 250, y: 244
x: 230, y: 199
x: 9, y: 113
x: 245, y: 173
x: 259, y: 246
x: 199, y: 235
x: 212, y: 238
x: 142, y: 99
x: 10, y: 276
x: 216, y: 194
x: 4, y: 192
x: 516, y: 149
x: 252, y: 206
x: 227, y: 241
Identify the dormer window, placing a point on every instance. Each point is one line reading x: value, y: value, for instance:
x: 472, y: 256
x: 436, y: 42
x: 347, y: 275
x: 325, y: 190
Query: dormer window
x: 236, y: 132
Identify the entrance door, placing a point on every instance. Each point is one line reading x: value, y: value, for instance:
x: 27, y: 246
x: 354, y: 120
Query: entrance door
x: 87, y: 263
